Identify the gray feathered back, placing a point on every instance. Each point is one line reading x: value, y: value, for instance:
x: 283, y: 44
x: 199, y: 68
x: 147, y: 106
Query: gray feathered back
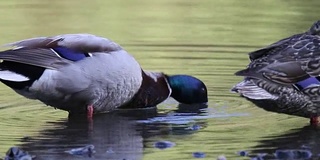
x: 81, y: 42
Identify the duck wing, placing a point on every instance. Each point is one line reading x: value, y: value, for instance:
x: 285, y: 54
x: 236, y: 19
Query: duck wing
x: 281, y: 44
x: 78, y: 42
x: 55, y: 52
x: 289, y: 63
x: 41, y: 57
x: 273, y: 48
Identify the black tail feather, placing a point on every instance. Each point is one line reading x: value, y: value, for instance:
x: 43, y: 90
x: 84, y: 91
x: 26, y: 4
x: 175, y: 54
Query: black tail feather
x: 32, y: 72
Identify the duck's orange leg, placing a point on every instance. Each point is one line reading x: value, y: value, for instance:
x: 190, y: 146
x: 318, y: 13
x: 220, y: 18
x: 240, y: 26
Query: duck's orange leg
x: 314, y: 120
x: 90, y: 111
x: 89, y: 117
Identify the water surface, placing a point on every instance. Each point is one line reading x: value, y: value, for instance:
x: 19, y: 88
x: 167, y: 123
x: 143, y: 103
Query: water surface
x: 208, y: 39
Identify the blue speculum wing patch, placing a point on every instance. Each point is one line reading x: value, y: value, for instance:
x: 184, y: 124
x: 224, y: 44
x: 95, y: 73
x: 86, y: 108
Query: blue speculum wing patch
x: 70, y: 54
x: 307, y: 82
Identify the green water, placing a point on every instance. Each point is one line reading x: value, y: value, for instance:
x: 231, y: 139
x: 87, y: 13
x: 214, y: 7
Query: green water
x: 208, y: 39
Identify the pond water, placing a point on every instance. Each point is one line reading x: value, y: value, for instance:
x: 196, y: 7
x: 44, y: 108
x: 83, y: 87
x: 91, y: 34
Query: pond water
x: 208, y: 39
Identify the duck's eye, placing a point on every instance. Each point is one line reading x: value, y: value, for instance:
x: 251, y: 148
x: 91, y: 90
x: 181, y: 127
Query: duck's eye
x: 203, y: 90
x: 317, y: 27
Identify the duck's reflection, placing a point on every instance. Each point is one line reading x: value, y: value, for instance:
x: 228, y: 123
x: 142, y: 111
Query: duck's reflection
x: 116, y: 135
x: 113, y: 136
x: 302, y: 143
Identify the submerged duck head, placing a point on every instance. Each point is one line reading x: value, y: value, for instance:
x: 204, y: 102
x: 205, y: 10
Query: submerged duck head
x: 187, y: 89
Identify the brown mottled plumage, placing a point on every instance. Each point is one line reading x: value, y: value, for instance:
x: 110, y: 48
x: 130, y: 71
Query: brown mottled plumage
x: 283, y: 77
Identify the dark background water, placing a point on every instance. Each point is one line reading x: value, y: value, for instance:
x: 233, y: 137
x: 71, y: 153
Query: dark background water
x: 209, y: 39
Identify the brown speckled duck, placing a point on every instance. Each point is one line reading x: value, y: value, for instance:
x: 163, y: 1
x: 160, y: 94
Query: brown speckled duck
x: 284, y: 76
x: 83, y: 73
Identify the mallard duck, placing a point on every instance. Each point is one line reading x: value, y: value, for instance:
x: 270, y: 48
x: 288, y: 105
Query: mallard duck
x: 284, y: 76
x: 84, y: 73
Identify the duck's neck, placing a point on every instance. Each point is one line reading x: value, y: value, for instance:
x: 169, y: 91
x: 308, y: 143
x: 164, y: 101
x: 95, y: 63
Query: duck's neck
x: 154, y: 89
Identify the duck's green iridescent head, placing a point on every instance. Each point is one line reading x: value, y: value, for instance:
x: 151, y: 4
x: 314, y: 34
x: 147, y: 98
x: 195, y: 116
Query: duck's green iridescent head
x: 187, y: 89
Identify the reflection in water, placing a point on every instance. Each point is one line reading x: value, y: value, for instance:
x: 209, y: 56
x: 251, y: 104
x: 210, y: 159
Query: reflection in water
x: 209, y: 39
x: 302, y: 143
x: 114, y: 135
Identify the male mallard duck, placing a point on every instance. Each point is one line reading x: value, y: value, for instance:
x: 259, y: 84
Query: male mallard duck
x: 284, y: 77
x: 83, y: 73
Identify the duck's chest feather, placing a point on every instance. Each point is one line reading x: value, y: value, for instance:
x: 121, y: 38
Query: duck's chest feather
x: 154, y: 90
